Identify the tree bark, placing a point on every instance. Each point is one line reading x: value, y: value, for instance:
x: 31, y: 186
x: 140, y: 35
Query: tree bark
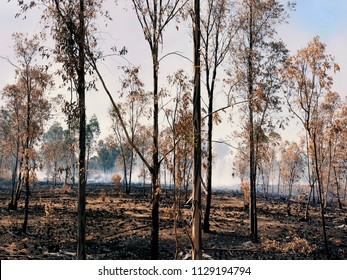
x: 27, y: 193
x: 155, y: 216
x: 130, y: 171
x: 81, y: 211
x: 196, y: 223
x: 252, y: 140
x: 125, y: 171
x: 26, y: 152
x: 13, y: 205
x: 155, y: 155
x: 337, y: 189
x: 213, y: 28
x: 320, y: 194
x: 206, y: 225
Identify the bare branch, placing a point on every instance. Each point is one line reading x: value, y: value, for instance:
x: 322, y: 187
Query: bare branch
x: 175, y: 53
x: 9, y: 61
x: 225, y: 107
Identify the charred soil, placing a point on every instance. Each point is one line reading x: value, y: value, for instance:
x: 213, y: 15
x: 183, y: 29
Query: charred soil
x: 118, y: 227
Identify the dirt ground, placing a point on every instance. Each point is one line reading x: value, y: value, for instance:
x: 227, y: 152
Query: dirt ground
x: 118, y: 227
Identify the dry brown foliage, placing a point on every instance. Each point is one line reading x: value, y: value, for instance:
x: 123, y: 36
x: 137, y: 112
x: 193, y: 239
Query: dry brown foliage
x: 116, y: 178
x: 48, y: 209
x: 245, y: 191
x: 66, y: 188
x: 296, y: 245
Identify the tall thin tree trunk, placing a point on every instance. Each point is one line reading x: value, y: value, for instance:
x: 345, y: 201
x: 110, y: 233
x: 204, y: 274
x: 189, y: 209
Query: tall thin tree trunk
x: 87, y: 162
x: 131, y: 170
x: 189, y: 176
x: 290, y: 188
x: 12, y: 205
x: 253, y: 195
x: 81, y: 216
x: 155, y: 156
x: 320, y: 193
x: 19, y: 184
x: 328, y: 176
x: 26, y: 154
x: 27, y: 193
x: 196, y: 221
x: 279, y: 181
x: 337, y: 188
x: 165, y: 183
x: 252, y: 140
x: 131, y: 149
x: 66, y: 176
x: 308, y: 203
x: 155, y: 215
x: 125, y: 171
x: 176, y: 193
x: 206, y: 225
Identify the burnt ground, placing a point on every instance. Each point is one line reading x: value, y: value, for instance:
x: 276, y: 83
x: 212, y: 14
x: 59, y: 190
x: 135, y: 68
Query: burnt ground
x: 118, y: 227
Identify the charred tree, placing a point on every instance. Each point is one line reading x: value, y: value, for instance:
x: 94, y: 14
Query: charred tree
x: 196, y: 218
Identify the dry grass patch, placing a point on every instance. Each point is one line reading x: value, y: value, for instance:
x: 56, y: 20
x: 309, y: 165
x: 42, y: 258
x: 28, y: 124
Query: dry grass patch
x: 295, y: 245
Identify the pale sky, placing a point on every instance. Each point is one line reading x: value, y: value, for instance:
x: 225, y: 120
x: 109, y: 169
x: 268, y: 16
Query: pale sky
x: 326, y: 18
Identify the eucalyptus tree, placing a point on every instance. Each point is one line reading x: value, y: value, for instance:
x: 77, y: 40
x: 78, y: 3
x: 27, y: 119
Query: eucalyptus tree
x: 30, y: 109
x: 154, y: 16
x: 292, y: 165
x: 53, y: 150
x: 107, y: 153
x: 56, y: 153
x: 328, y: 138
x: 71, y: 24
x: 92, y: 134
x: 7, y: 143
x: 258, y: 55
x: 134, y: 110
x: 339, y: 155
x: 177, y: 137
x: 69, y: 31
x: 10, y: 140
x: 216, y: 36
x: 196, y: 196
x: 308, y: 81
